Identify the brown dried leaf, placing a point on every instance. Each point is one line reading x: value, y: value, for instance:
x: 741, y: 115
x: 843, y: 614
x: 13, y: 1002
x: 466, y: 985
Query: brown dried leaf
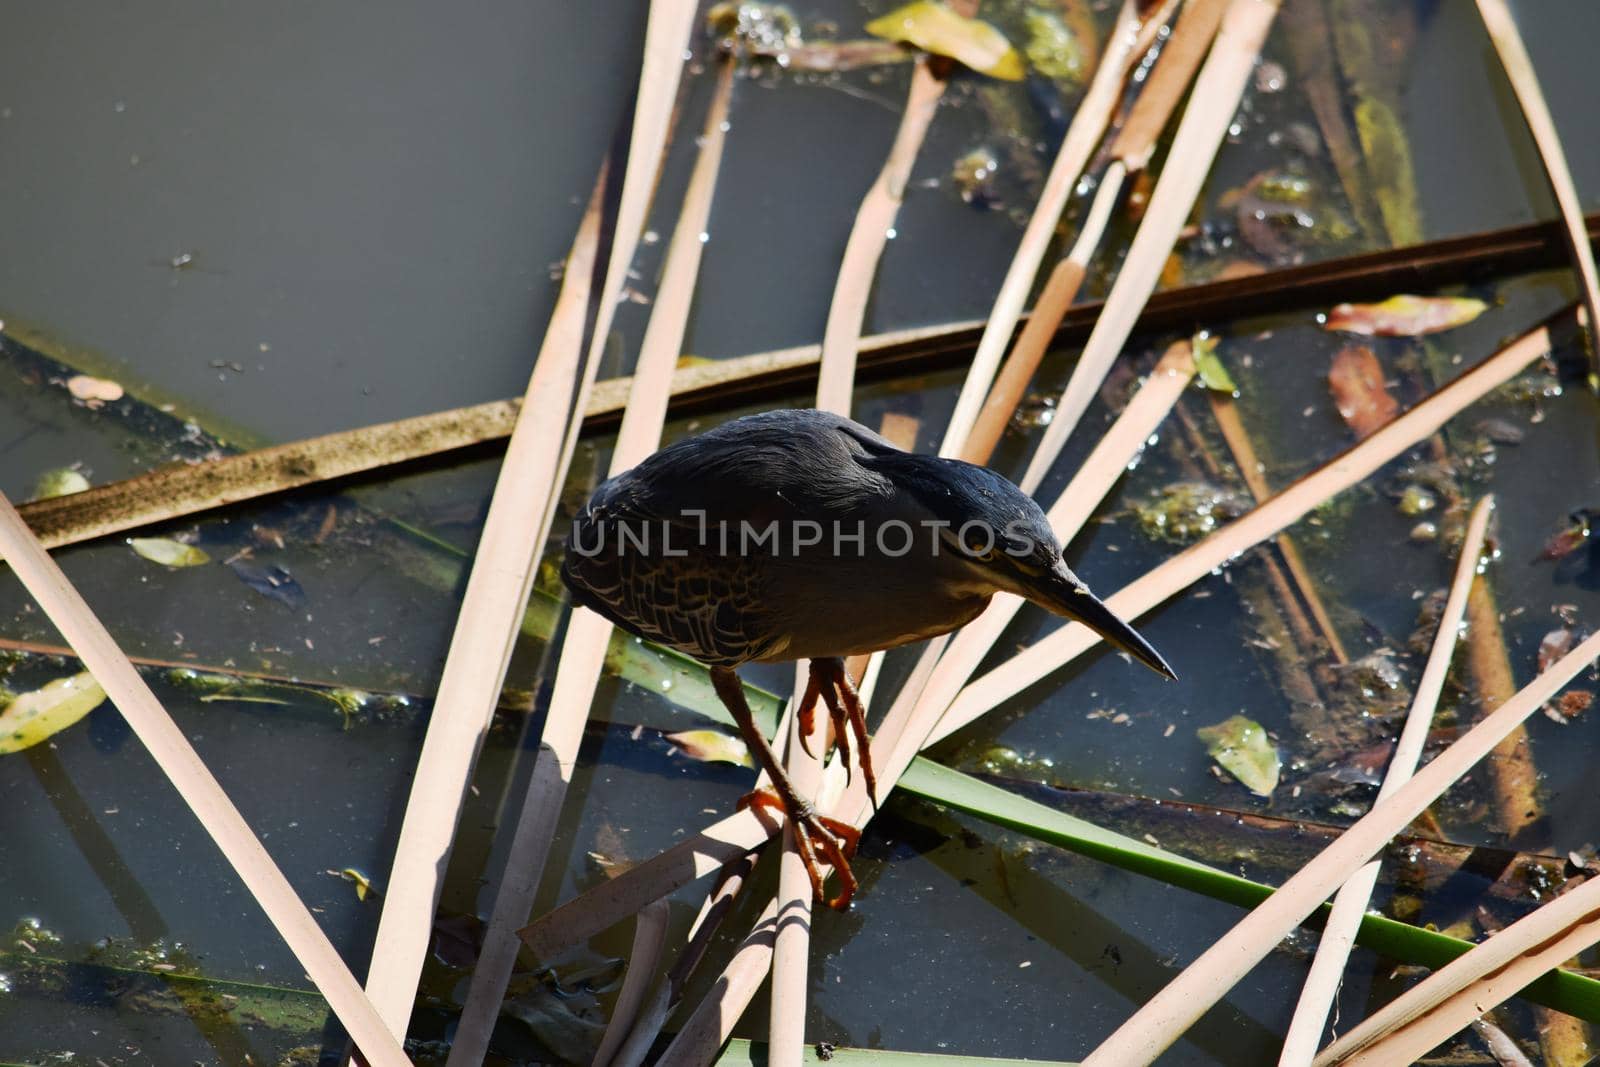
x: 1356, y: 381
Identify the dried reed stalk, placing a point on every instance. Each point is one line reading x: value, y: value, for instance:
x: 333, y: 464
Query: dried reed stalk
x: 1189, y: 566
x: 491, y: 614
x: 1088, y: 124
x: 1208, y: 979
x: 1130, y: 153
x: 874, y: 218
x: 178, y: 760
x: 1216, y: 95
x: 668, y: 31
x: 583, y: 653
x: 706, y: 1029
x: 791, y: 944
x: 1502, y: 27
x: 1060, y: 290
x: 649, y: 939
x: 1473, y: 983
x: 1339, y: 933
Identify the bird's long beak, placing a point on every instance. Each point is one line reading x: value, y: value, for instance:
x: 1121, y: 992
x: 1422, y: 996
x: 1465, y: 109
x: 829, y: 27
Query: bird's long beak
x: 1062, y: 593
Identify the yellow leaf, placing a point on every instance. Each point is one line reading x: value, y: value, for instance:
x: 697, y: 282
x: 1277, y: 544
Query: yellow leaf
x: 362, y: 883
x: 168, y: 552
x: 712, y: 746
x: 63, y: 481
x: 48, y: 710
x: 934, y: 28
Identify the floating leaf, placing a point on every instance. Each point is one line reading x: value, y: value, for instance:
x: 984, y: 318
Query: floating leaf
x: 362, y: 883
x: 712, y: 746
x: 934, y: 28
x: 63, y: 481
x: 1212, y: 374
x: 167, y: 552
x: 1356, y: 381
x: 1405, y: 316
x: 1241, y: 747
x: 32, y: 717
x: 93, y: 391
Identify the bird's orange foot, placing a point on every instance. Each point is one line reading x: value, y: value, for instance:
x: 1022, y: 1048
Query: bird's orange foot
x: 817, y: 838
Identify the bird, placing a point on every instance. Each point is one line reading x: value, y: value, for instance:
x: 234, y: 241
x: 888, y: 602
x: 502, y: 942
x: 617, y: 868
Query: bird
x: 798, y: 534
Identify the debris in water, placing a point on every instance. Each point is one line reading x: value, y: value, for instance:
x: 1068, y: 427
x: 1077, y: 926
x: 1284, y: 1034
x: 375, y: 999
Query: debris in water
x: 1359, y: 391
x: 167, y: 552
x: 270, y: 581
x: 1270, y: 77
x: 934, y: 28
x: 63, y: 481
x: 712, y: 746
x: 1416, y: 500
x: 765, y: 29
x: 93, y: 392
x: 32, y: 717
x: 1212, y: 374
x: 973, y: 175
x: 1553, y: 646
x: 1188, y: 511
x: 1241, y: 747
x: 1051, y: 48
x: 1405, y: 316
x: 1574, y: 536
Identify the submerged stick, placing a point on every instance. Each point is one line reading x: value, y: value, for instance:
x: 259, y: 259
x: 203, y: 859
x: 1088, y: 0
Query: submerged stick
x: 1338, y: 936
x: 1216, y: 96
x: 178, y: 760
x: 1226, y: 412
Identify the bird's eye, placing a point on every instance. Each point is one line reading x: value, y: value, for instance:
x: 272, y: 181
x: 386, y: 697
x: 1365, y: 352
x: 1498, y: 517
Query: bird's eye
x: 987, y: 557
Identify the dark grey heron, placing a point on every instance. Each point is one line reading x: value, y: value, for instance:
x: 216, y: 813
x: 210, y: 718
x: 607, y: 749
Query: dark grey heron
x: 799, y: 534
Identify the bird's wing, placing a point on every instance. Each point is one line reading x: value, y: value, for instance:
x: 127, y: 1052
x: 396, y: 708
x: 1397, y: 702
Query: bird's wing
x: 715, y: 615
x: 781, y: 465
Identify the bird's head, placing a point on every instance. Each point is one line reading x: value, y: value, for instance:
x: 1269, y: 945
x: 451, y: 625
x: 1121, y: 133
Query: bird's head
x: 994, y: 536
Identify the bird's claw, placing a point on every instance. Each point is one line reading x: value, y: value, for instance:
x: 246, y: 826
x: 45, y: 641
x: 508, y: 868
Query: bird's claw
x: 849, y: 719
x: 813, y: 833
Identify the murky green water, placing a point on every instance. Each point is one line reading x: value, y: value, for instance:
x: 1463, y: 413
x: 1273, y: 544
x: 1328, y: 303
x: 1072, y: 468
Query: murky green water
x: 371, y: 207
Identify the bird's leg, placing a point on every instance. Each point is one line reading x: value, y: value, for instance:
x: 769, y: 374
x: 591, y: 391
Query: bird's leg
x: 844, y: 703
x: 812, y: 832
